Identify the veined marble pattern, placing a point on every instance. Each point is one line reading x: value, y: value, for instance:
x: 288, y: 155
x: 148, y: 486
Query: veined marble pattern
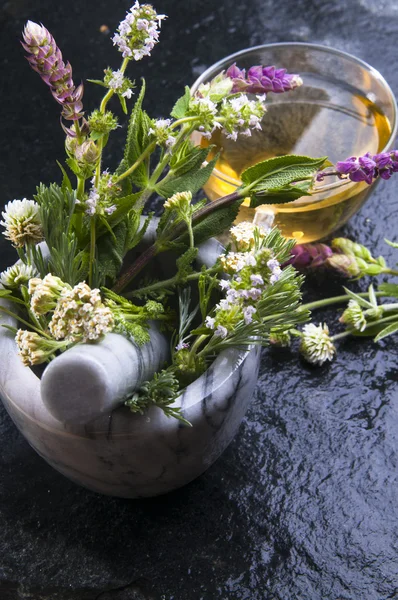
x: 128, y: 455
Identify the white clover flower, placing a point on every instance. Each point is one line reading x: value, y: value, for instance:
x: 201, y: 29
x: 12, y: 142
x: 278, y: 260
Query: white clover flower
x: 80, y: 315
x: 316, y: 345
x: 17, y: 275
x: 22, y: 222
x: 138, y: 33
x: 353, y: 316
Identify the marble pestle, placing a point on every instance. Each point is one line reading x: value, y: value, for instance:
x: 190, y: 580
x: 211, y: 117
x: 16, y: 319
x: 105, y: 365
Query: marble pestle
x: 90, y: 380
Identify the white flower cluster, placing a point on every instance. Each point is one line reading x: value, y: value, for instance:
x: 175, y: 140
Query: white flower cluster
x: 243, y: 234
x: 22, y: 222
x: 34, y: 349
x: 17, y: 275
x: 235, y: 116
x: 45, y: 293
x: 316, y: 345
x: 250, y: 272
x: 80, y: 315
x: 239, y: 115
x: 161, y: 131
x: 119, y: 84
x: 138, y: 33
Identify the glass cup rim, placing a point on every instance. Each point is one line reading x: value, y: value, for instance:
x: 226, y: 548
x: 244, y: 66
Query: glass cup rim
x: 220, y: 64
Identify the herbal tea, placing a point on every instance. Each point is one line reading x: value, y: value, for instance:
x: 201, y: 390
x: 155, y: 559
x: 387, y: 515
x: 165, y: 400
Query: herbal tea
x: 318, y: 119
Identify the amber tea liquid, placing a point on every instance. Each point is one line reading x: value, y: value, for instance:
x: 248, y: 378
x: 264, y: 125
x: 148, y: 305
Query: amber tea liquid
x: 319, y: 119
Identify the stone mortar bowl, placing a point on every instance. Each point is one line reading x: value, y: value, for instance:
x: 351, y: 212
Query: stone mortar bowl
x: 125, y: 454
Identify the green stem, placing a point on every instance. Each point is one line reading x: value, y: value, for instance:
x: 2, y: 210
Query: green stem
x: 166, y: 283
x: 137, y: 163
x: 199, y: 341
x: 390, y: 271
x: 92, y: 250
x: 340, y: 336
x: 18, y: 318
x: 335, y: 300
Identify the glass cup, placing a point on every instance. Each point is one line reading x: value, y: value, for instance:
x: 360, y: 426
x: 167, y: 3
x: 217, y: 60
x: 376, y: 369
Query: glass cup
x: 344, y: 108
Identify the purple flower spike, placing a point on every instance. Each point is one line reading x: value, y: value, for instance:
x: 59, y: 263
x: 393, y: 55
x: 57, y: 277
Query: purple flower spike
x: 262, y: 79
x: 305, y: 256
x: 46, y: 59
x: 367, y: 167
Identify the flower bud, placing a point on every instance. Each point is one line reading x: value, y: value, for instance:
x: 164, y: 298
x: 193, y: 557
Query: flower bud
x: 87, y: 153
x: 353, y: 316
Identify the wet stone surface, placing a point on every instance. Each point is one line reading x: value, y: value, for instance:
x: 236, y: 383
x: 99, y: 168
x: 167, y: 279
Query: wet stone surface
x: 303, y: 504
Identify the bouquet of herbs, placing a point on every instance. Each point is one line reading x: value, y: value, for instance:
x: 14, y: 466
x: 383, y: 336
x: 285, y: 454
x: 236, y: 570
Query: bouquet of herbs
x: 83, y: 270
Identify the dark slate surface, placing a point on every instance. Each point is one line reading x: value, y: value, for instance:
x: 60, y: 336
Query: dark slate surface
x: 303, y: 504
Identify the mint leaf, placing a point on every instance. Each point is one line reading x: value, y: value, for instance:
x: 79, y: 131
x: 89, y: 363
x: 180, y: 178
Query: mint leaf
x: 191, y: 181
x: 191, y: 160
x: 137, y: 141
x: 181, y: 106
x: 296, y: 166
x: 214, y: 223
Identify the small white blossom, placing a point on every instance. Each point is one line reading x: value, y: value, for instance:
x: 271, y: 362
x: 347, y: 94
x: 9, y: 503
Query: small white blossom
x: 22, y: 222
x: 256, y: 280
x: 182, y: 346
x: 248, y: 313
x: 210, y: 322
x: 80, y: 315
x: 243, y: 234
x: 45, y: 293
x: 221, y: 332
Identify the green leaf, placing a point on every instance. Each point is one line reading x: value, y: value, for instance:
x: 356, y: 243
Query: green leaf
x: 111, y: 253
x: 390, y: 289
x: 66, y: 183
x: 280, y: 196
x: 189, y: 182
x: 4, y: 293
x: 137, y: 141
x: 124, y: 205
x: 72, y: 164
x: 98, y: 82
x: 123, y: 104
x: 277, y: 174
x: 184, y: 263
x: 387, y: 331
x: 192, y: 160
x: 181, y: 106
x: 392, y: 244
x: 289, y: 167
x: 361, y: 301
x: 214, y: 223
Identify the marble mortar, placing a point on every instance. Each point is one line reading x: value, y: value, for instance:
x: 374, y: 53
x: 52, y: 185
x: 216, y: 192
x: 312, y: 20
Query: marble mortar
x: 127, y: 455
